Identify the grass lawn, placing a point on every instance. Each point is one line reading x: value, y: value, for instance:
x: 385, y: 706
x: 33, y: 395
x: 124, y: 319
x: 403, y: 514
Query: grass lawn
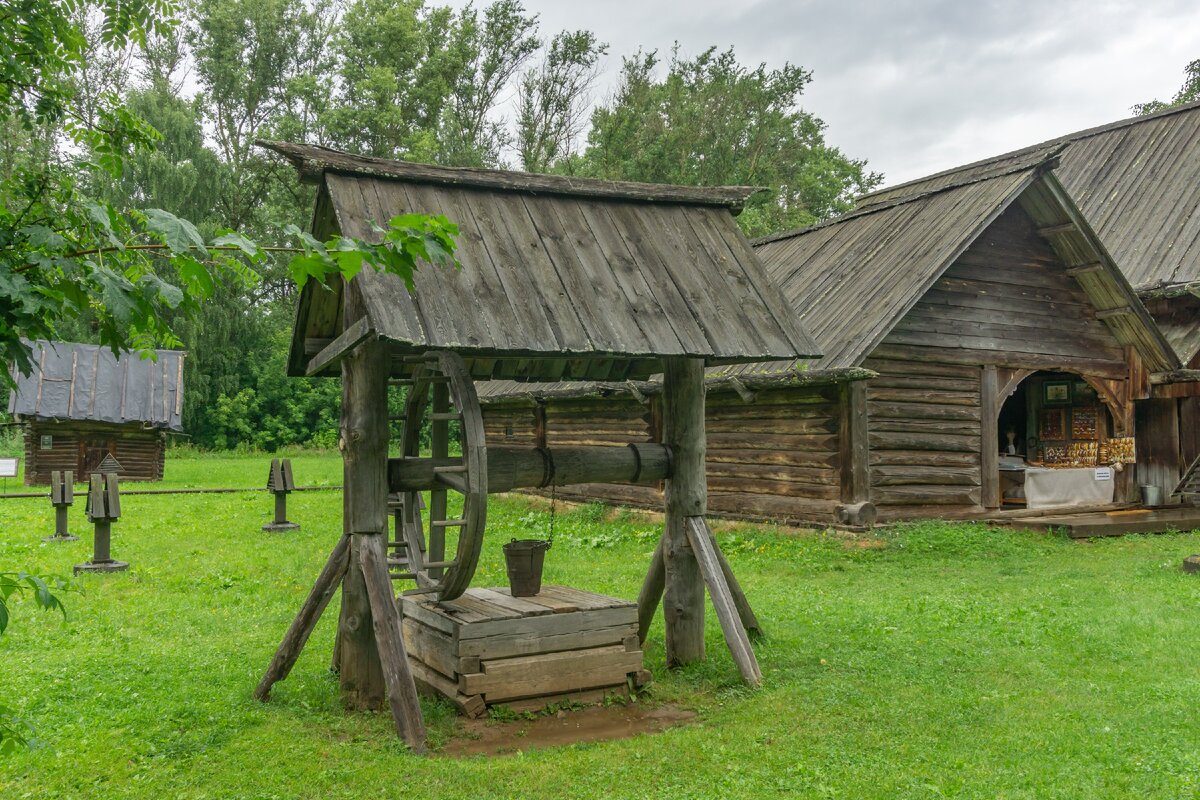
x: 936, y: 661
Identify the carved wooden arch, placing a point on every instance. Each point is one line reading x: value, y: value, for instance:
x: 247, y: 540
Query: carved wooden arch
x: 1113, y: 393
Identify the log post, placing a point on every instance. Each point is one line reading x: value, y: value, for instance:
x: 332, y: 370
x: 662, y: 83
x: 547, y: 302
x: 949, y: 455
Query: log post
x: 686, y: 496
x: 989, y: 436
x: 363, y: 443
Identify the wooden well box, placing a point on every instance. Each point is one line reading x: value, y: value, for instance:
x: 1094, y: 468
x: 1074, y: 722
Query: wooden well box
x: 489, y: 648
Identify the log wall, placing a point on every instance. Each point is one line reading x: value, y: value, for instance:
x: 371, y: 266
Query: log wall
x: 80, y: 446
x: 775, y: 458
x: 924, y: 422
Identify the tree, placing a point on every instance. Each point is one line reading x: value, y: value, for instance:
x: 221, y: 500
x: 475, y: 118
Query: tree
x: 1188, y: 93
x: 712, y: 121
x: 553, y: 99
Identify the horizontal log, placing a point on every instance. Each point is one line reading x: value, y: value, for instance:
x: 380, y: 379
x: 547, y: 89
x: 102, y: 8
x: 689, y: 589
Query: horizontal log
x: 904, y: 411
x: 925, y: 496
x: 910, y: 475
x: 923, y: 394
x: 796, y: 458
x: 970, y: 427
x: 924, y: 441
x: 929, y: 458
x: 518, y: 468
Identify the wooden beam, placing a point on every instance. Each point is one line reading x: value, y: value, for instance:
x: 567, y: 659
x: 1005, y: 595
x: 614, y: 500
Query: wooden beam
x: 1052, y: 230
x: 1085, y: 269
x: 989, y: 436
x: 686, y: 496
x: 354, y: 335
x: 363, y: 442
x: 1175, y: 376
x: 1109, y: 313
x: 742, y: 392
x: 652, y: 590
x: 854, y: 439
x: 401, y: 688
x: 302, y: 627
x: 313, y: 162
x: 705, y: 547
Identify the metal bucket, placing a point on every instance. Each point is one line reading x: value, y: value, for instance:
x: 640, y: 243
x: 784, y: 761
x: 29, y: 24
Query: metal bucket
x: 1152, y: 495
x: 525, y: 558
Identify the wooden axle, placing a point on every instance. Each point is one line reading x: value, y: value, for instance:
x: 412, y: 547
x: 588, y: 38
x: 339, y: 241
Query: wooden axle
x: 511, y: 468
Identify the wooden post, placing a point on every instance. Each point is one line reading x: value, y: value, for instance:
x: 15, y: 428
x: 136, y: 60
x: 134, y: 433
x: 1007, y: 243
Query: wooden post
x: 302, y: 627
x: 989, y: 436
x: 363, y: 443
x: 686, y: 496
x: 855, y: 444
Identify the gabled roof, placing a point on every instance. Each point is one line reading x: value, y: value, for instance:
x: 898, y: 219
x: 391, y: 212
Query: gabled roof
x: 87, y: 383
x: 562, y: 277
x: 1136, y: 180
x: 852, y: 279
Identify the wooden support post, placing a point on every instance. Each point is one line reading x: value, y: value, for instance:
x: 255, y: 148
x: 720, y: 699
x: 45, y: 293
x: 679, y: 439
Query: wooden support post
x: 989, y: 436
x: 856, y: 508
x: 302, y: 627
x: 401, y: 688
x: 686, y: 496
x: 652, y: 591
x: 363, y: 443
x: 704, y: 545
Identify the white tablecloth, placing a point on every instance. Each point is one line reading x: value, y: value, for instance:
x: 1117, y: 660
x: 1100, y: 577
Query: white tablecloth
x: 1054, y: 488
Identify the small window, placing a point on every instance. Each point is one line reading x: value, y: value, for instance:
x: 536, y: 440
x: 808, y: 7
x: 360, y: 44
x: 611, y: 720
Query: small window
x: 47, y: 442
x: 508, y: 433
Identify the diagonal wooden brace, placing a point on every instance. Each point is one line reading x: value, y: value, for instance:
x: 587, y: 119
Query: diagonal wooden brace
x: 297, y: 635
x: 704, y: 546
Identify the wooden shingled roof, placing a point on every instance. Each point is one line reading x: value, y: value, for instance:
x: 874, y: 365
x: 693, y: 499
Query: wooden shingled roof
x: 852, y: 279
x: 562, y: 278
x: 1137, y: 181
x: 87, y: 383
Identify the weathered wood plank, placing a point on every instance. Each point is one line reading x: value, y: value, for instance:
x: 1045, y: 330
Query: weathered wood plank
x: 704, y: 546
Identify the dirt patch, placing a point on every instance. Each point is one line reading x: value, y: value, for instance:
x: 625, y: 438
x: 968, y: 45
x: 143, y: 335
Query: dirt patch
x: 593, y: 724
x: 861, y: 542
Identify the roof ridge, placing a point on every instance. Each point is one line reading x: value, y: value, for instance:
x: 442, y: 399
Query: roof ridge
x: 1063, y: 140
x: 1048, y: 159
x: 312, y: 161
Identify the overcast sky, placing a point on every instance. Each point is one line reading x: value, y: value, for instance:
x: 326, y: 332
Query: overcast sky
x: 916, y: 86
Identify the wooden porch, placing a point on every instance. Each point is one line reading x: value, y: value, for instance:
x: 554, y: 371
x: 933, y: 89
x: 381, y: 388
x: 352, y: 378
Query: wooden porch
x: 1087, y: 524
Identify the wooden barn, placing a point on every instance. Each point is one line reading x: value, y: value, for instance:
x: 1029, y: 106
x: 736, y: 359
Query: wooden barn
x: 1136, y: 182
x: 86, y: 410
x: 982, y: 350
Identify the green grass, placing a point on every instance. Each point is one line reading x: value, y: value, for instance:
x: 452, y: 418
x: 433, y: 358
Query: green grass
x: 948, y: 661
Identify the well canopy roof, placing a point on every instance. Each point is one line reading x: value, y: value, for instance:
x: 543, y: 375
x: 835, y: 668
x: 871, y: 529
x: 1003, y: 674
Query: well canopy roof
x: 87, y: 383
x: 562, y: 277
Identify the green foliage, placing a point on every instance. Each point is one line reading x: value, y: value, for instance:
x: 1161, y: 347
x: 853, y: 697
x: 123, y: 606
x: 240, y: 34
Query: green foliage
x: 937, y: 660
x: 1188, y: 93
x: 712, y: 121
x: 15, y: 733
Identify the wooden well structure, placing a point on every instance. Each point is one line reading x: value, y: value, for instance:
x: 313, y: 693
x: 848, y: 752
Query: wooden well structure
x: 562, y: 279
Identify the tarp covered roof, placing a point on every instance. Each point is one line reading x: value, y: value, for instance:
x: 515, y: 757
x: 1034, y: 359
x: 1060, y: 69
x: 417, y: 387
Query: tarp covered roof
x: 86, y: 382
x: 1136, y: 180
x: 561, y: 278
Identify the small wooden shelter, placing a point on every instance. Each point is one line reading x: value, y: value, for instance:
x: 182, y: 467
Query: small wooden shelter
x: 87, y: 410
x: 562, y: 278
x: 942, y: 314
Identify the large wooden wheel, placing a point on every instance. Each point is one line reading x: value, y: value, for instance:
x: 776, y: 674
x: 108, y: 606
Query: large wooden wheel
x: 443, y: 391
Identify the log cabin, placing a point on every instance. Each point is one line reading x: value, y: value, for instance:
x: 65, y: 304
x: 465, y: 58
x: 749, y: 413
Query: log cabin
x: 84, y: 409
x: 975, y: 333
x: 1137, y: 181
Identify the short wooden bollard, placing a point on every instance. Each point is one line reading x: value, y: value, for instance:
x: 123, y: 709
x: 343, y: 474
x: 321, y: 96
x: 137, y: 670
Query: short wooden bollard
x: 62, y: 496
x: 103, y: 509
x: 280, y: 482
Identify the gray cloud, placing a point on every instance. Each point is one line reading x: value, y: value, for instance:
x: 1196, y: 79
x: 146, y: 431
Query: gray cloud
x: 916, y: 86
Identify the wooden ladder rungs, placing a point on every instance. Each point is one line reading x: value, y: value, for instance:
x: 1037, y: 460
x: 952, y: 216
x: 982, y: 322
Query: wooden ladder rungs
x: 448, y: 523
x: 450, y: 468
x: 445, y: 415
x: 403, y: 576
x: 440, y: 564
